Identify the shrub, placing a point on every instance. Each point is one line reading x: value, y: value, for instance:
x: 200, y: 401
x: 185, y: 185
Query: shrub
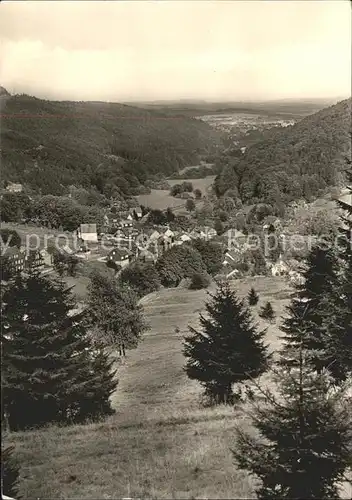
x: 253, y: 297
x: 267, y: 312
x: 199, y: 281
x: 177, y: 263
x: 142, y: 277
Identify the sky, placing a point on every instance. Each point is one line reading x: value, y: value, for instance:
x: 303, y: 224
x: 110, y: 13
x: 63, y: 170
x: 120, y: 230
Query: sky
x: 169, y: 50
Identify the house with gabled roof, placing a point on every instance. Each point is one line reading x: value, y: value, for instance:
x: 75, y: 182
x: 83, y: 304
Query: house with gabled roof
x: 88, y: 232
x: 280, y: 268
x: 154, y: 236
x: 231, y: 257
x: 136, y: 213
x: 120, y: 256
x: 125, y: 223
x: 169, y: 234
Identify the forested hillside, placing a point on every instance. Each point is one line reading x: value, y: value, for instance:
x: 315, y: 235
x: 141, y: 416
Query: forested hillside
x: 49, y: 145
x: 293, y: 162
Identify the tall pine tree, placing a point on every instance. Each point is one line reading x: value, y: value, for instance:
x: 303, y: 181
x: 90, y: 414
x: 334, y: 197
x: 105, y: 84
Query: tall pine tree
x: 339, y: 325
x: 51, y: 370
x: 228, y: 349
x: 312, y: 305
x: 304, y: 445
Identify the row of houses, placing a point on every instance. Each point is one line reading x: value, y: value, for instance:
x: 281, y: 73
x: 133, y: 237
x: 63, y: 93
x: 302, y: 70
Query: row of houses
x: 123, y: 219
x: 149, y: 245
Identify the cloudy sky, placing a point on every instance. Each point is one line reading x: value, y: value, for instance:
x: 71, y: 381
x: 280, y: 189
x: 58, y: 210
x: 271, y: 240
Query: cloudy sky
x: 150, y: 50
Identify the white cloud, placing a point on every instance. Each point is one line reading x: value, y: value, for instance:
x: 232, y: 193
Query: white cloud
x: 113, y: 50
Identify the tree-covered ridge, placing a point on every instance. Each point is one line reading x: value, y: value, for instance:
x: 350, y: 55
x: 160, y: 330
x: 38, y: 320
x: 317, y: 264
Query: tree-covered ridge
x: 293, y: 162
x: 50, y: 145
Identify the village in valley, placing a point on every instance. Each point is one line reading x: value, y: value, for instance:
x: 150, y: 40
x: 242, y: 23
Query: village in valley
x: 128, y: 236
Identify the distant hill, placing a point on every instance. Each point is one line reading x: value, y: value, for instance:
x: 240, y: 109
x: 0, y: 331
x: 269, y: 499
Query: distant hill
x: 50, y: 145
x: 288, y: 108
x: 292, y: 162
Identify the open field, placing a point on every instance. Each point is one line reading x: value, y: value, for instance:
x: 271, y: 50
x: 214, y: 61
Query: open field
x: 161, y: 443
x: 203, y: 184
x: 161, y: 199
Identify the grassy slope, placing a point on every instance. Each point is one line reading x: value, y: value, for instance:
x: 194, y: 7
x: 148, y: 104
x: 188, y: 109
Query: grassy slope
x: 78, y: 136
x: 161, y: 442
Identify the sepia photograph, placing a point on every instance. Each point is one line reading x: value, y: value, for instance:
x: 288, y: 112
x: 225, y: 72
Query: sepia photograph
x: 176, y: 249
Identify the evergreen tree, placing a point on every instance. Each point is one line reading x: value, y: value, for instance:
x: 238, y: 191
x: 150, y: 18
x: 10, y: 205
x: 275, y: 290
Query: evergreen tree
x: 228, y: 349
x: 338, y: 324
x: 312, y: 307
x: 9, y: 473
x: 253, y: 297
x: 305, y: 437
x: 51, y: 370
x: 267, y: 312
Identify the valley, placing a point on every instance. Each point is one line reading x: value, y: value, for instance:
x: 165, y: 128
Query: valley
x: 164, y: 438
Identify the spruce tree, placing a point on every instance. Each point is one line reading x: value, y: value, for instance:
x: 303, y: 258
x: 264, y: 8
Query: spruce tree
x: 338, y: 325
x: 51, y: 370
x: 253, y: 297
x: 267, y: 312
x: 313, y: 304
x: 304, y: 444
x: 228, y: 349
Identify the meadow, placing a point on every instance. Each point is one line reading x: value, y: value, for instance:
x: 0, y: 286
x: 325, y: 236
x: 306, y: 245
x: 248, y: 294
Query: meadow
x: 161, y: 443
x: 161, y: 199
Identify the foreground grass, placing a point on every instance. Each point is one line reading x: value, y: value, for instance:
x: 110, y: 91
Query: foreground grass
x: 161, y: 443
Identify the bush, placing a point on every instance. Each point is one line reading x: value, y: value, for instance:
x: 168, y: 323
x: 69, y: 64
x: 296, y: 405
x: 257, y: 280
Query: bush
x: 142, y: 277
x: 211, y: 254
x: 253, y: 297
x: 10, y: 237
x: 190, y: 205
x: 199, y: 281
x: 219, y: 227
x: 177, y: 263
x: 197, y: 194
x: 267, y: 312
x: 175, y: 190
